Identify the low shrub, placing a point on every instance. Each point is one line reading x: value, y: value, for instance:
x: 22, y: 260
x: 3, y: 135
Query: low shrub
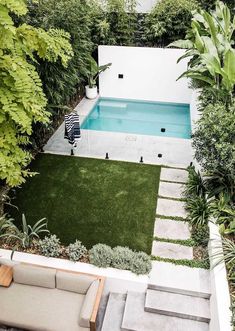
x: 198, y: 209
x: 141, y: 263
x: 213, y: 138
x: 122, y: 257
x: 101, y: 255
x: 195, y: 183
x: 200, y: 235
x: 76, y: 251
x: 50, y: 246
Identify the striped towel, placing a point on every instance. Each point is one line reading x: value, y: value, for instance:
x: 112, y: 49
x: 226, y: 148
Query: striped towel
x: 72, y: 128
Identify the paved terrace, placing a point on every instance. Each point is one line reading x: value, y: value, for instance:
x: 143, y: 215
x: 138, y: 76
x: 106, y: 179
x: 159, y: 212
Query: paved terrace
x: 122, y: 146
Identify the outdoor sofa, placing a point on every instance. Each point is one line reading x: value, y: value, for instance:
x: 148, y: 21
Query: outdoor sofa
x: 46, y: 299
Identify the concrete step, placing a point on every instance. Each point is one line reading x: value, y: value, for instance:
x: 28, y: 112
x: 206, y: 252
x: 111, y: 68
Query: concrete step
x: 171, y: 190
x: 171, y: 208
x: 170, y: 229
x: 114, y: 312
x: 135, y: 318
x: 171, y: 251
x: 169, y: 277
x: 178, y: 305
x: 174, y: 175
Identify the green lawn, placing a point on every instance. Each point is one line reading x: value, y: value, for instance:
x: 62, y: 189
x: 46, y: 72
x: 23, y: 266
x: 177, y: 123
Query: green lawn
x: 92, y: 200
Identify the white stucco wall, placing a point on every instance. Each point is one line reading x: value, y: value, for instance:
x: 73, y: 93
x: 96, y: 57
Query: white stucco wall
x: 220, y: 299
x: 149, y: 74
x: 145, y: 6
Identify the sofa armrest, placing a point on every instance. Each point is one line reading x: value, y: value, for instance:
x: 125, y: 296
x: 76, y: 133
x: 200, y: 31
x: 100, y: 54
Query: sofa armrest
x: 96, y: 304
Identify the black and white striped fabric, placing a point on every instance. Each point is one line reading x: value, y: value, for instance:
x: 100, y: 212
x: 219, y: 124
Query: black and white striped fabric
x: 72, y: 128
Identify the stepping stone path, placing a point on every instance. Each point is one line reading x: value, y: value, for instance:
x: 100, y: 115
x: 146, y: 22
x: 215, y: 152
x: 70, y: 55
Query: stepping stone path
x: 171, y: 190
x: 169, y: 206
x: 174, y: 175
x: 170, y: 229
x: 172, y: 251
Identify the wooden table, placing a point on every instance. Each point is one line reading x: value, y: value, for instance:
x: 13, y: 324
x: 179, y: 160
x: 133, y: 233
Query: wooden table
x: 6, y: 275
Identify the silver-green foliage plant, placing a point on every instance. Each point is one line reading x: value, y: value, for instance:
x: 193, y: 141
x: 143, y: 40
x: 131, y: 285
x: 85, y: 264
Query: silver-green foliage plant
x: 210, y: 46
x: 101, y: 255
x: 27, y: 233
x: 141, y: 263
x: 50, y: 246
x: 122, y: 257
x: 76, y: 251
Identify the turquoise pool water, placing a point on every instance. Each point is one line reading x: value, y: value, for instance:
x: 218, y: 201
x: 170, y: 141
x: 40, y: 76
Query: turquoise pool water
x: 140, y: 117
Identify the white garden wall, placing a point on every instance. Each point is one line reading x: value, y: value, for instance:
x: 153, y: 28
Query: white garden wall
x: 145, y: 6
x: 220, y: 298
x: 148, y: 74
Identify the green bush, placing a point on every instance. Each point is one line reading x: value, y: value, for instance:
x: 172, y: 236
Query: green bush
x: 169, y: 20
x: 122, y: 257
x: 115, y: 22
x: 200, y: 235
x: 198, y: 210
x: 101, y: 255
x: 141, y: 264
x: 76, y: 251
x: 195, y: 183
x: 214, y: 138
x: 50, y: 246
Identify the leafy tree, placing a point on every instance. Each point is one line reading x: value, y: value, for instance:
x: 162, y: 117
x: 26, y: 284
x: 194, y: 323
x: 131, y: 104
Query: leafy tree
x: 60, y: 84
x: 169, y: 20
x: 74, y: 17
x: 22, y: 101
x: 210, y: 47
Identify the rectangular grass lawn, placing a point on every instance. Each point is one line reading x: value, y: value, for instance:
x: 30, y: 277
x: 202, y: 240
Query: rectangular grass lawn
x: 95, y: 201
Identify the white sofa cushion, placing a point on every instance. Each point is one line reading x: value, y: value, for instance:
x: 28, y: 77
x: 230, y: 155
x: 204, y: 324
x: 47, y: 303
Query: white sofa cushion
x: 88, y: 305
x: 73, y: 282
x: 36, y: 276
x: 40, y: 309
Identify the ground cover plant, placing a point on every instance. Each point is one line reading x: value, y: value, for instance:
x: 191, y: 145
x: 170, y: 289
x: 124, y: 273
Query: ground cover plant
x: 94, y: 201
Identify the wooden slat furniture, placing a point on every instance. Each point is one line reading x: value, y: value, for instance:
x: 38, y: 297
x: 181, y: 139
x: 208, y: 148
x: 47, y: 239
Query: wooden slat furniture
x: 6, y: 275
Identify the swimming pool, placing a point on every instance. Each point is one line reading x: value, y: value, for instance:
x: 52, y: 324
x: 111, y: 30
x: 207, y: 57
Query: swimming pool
x: 140, y: 117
